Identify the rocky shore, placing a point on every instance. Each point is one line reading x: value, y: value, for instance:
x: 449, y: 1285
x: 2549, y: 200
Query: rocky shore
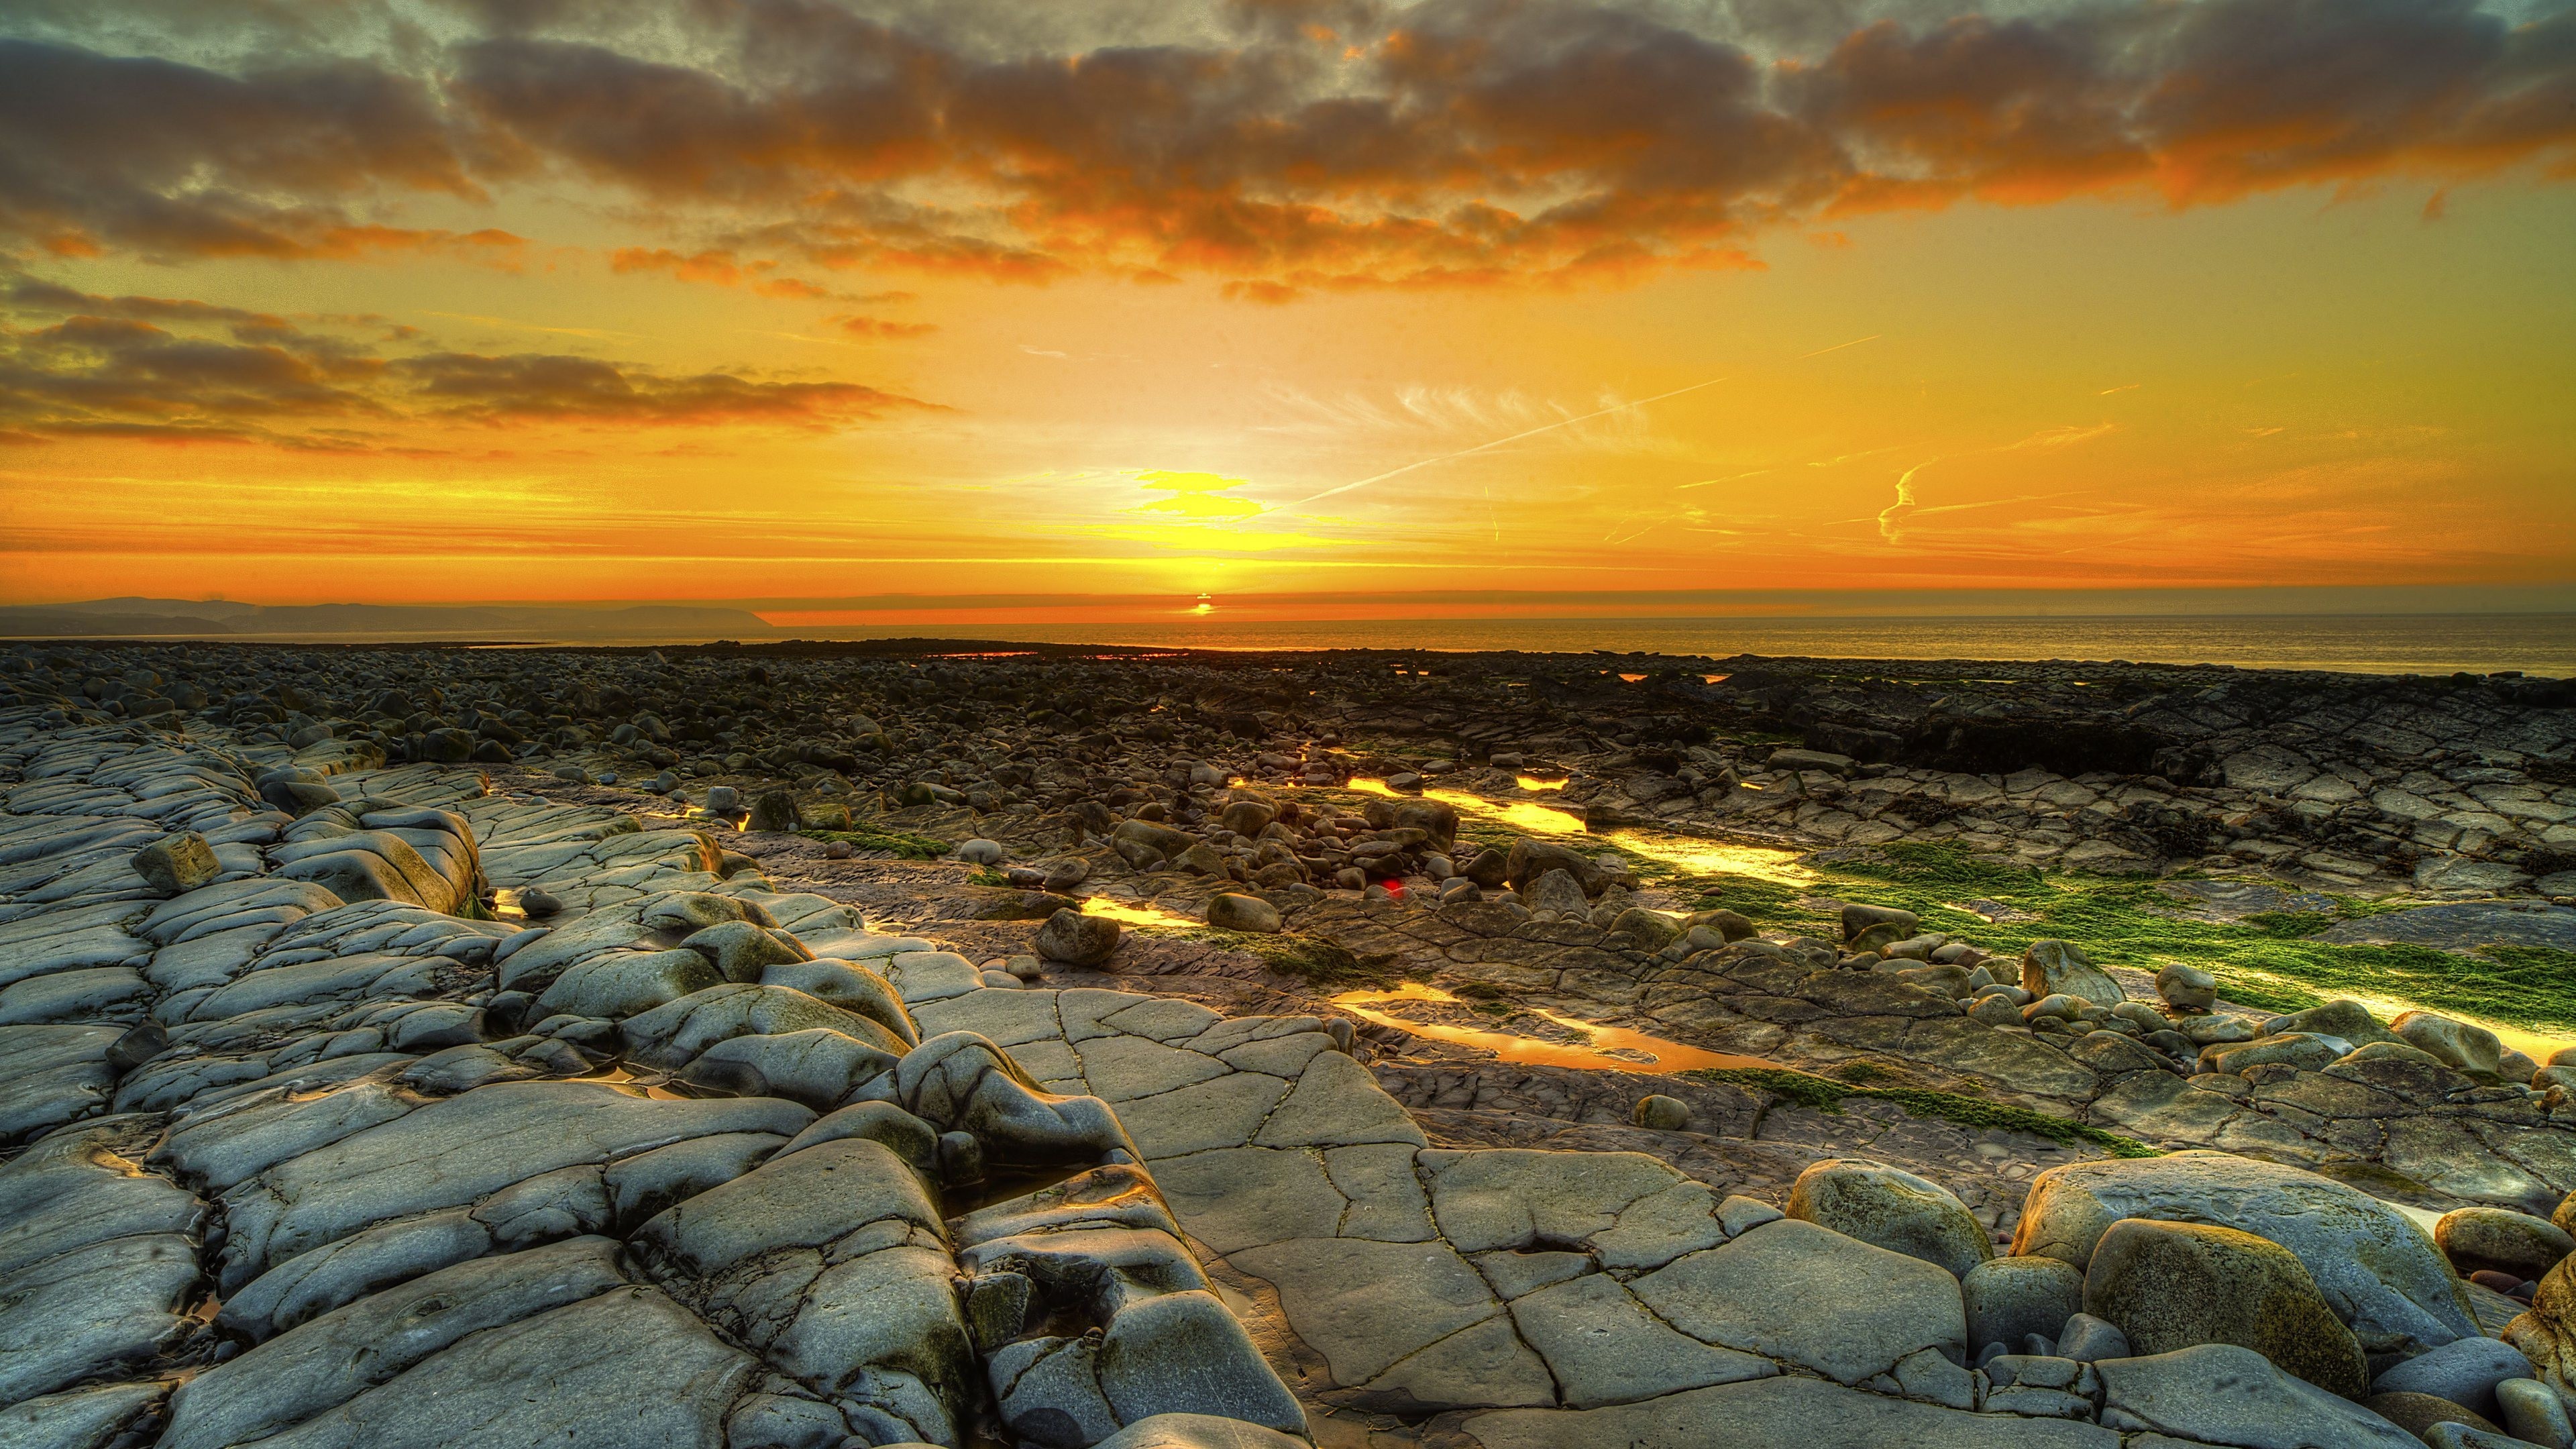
x: 914, y: 1043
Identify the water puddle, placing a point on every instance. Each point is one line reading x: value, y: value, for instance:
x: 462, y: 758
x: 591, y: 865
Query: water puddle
x: 1532, y: 782
x: 1605, y: 1048
x: 1681, y: 852
x: 1135, y: 913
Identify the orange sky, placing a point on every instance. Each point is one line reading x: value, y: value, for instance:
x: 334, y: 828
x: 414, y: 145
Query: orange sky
x: 800, y: 300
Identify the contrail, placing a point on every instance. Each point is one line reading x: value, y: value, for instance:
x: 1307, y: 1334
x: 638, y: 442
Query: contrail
x: 1498, y: 442
x: 1839, y: 346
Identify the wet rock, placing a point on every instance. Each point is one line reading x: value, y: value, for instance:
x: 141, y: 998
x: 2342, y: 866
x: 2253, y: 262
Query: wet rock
x: 1076, y: 939
x: 2498, y: 1239
x: 2170, y: 1286
x: 1890, y: 1208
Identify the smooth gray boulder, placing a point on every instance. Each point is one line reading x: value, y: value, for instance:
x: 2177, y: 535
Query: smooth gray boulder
x: 2465, y: 1372
x: 2220, y: 1393
x: 2379, y: 1272
x: 2010, y: 1298
x: 1891, y: 1208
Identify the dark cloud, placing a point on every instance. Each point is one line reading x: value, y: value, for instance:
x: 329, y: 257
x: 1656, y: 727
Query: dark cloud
x: 1276, y: 144
x: 529, y: 386
x: 145, y: 367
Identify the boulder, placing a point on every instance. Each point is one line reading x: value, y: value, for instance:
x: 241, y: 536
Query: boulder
x: 1890, y: 1208
x: 2170, y: 1286
x: 2465, y: 1372
x: 1076, y: 939
x: 2220, y: 1393
x: 1557, y: 891
x: 2379, y: 1272
x: 2502, y: 1241
x: 1662, y: 1114
x: 177, y: 864
x: 2010, y: 1298
x: 775, y: 810
x: 2532, y: 1411
x: 2471, y: 1049
x: 1531, y: 859
x: 1857, y: 919
x: 2186, y: 987
x: 2547, y: 1333
x: 2052, y: 967
x: 2348, y: 1020
x: 2418, y: 1413
x: 1234, y: 911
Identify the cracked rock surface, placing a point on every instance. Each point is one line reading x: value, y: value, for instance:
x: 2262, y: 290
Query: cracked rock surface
x: 361, y: 1085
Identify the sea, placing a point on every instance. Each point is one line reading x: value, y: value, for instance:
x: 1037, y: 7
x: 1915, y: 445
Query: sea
x: 2439, y: 644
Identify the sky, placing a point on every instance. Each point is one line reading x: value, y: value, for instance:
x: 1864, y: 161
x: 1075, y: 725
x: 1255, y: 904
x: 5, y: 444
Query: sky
x: 822, y: 302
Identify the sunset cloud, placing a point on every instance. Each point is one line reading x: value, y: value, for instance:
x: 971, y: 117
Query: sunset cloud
x: 148, y: 367
x: 1443, y: 143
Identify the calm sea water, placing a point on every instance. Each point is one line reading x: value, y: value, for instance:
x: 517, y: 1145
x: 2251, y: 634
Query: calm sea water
x: 2372, y: 644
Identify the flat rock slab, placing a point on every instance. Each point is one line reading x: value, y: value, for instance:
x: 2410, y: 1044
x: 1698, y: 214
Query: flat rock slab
x: 2462, y: 927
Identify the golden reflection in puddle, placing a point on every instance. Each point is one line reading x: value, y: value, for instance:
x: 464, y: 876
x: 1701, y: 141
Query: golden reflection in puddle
x: 1532, y: 782
x: 626, y: 1081
x: 1681, y: 852
x: 1714, y: 857
x: 1134, y: 913
x: 1594, y: 1056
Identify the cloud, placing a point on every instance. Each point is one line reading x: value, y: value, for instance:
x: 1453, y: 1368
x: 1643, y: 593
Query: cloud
x: 877, y: 327
x: 1204, y: 496
x: 189, y: 371
x: 1280, y: 147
